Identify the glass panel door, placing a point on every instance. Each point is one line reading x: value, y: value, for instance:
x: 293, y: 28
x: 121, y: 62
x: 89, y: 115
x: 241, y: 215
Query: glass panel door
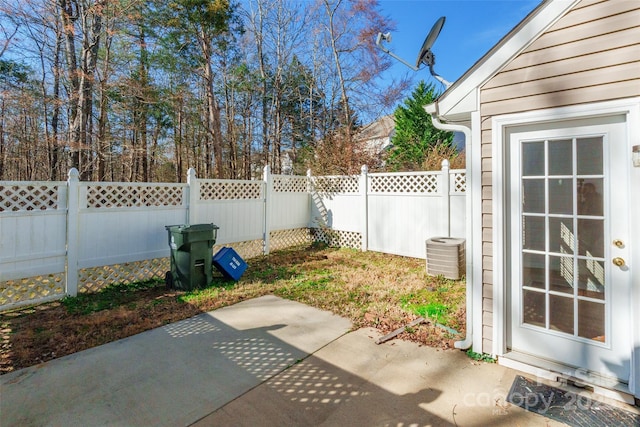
x: 568, y: 205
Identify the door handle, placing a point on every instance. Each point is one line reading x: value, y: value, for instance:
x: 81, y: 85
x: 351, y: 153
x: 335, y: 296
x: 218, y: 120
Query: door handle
x: 618, y: 261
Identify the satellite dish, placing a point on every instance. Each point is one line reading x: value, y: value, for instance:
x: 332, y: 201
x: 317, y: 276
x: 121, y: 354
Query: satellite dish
x: 426, y: 56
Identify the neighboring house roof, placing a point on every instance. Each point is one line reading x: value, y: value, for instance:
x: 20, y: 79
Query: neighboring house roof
x: 462, y: 97
x: 376, y: 136
x: 380, y: 128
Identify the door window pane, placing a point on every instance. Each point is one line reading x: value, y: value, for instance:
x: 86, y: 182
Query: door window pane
x: 590, y: 237
x: 591, y: 320
x: 533, y: 195
x: 533, y: 308
x: 533, y: 270
x: 561, y: 157
x: 590, y: 200
x: 561, y: 314
x: 591, y: 278
x: 533, y: 233
x: 561, y: 196
x: 562, y: 239
x: 589, y: 155
x: 533, y: 158
x: 561, y: 275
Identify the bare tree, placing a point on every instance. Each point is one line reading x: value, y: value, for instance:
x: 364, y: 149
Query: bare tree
x: 279, y: 30
x: 8, y: 28
x: 37, y: 22
x: 85, y: 18
x: 142, y: 89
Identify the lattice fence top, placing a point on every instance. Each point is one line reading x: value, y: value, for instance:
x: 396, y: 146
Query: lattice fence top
x: 290, y: 184
x: 119, y: 195
x: 231, y: 190
x: 407, y: 184
x: 457, y: 182
x: 337, y: 184
x: 29, y: 196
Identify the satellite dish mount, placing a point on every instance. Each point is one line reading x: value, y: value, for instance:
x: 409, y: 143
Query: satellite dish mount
x: 425, y: 56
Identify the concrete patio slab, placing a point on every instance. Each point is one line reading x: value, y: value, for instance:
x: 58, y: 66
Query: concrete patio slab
x: 354, y: 382
x: 266, y: 362
x: 173, y: 375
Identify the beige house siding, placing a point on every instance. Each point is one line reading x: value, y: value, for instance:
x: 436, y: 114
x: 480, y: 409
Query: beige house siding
x: 591, y: 54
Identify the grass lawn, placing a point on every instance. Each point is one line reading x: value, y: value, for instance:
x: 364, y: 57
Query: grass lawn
x: 372, y: 289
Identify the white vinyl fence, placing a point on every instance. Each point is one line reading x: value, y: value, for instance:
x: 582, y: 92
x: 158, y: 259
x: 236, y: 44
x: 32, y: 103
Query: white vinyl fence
x: 61, y: 238
x: 393, y: 213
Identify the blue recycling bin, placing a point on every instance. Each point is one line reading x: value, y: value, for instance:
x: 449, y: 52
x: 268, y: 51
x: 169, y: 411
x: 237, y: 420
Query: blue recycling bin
x: 229, y: 263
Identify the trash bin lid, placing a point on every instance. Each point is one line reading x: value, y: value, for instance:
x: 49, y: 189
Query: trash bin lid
x: 199, y: 227
x: 186, y: 228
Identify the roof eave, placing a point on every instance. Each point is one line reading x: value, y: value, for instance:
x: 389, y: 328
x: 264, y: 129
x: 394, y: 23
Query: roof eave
x: 461, y: 98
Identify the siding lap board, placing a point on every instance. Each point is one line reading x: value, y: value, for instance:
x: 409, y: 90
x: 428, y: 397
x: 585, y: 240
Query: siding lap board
x: 596, y: 50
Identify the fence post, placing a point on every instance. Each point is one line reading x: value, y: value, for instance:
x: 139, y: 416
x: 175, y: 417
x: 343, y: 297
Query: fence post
x: 311, y: 196
x: 193, y: 189
x: 364, y: 193
x: 268, y: 185
x: 446, y: 196
x: 73, y: 187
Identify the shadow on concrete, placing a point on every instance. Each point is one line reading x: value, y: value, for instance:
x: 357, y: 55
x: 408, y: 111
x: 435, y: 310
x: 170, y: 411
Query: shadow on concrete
x: 314, y: 392
x: 310, y: 391
x: 265, y: 361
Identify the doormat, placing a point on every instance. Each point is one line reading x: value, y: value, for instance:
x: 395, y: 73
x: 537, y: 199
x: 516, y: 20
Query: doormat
x: 574, y: 409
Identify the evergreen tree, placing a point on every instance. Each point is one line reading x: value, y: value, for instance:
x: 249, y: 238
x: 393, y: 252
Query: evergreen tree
x: 415, y: 134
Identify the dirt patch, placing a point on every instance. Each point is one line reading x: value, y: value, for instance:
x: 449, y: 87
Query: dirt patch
x: 372, y: 289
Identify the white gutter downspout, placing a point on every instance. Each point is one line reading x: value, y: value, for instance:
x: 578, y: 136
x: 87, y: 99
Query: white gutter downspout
x: 432, y: 109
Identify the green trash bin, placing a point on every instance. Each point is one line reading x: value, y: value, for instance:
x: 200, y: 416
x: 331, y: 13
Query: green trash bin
x: 191, y: 252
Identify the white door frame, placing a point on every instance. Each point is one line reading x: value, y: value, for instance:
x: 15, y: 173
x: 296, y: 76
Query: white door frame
x: 629, y: 107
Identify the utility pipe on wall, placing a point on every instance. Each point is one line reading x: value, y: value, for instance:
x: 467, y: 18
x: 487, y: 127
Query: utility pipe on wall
x: 446, y: 193
x: 432, y: 109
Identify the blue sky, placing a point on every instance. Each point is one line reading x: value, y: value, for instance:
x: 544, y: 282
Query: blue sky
x: 470, y: 30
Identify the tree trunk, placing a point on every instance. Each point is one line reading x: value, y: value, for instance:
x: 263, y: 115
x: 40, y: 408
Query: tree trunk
x: 56, y: 172
x: 104, y: 145
x: 81, y: 77
x: 259, y: 35
x: 230, y: 102
x: 2, y: 141
x: 91, y: 46
x: 103, y: 141
x: 246, y: 152
x: 336, y: 56
x: 213, y: 110
x: 247, y: 133
x: 68, y: 16
x: 177, y: 138
x: 153, y: 167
